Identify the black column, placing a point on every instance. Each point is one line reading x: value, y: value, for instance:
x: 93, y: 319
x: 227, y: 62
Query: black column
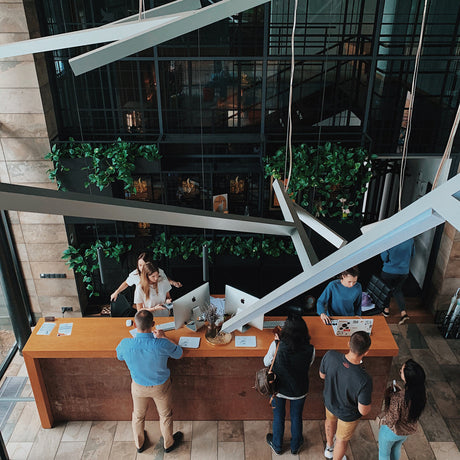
x: 13, y: 288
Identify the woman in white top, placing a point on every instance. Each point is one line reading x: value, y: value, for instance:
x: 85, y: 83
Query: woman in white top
x: 153, y: 291
x: 134, y: 277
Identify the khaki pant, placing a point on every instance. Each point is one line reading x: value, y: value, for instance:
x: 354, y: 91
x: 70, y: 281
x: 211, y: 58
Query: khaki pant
x: 162, y: 396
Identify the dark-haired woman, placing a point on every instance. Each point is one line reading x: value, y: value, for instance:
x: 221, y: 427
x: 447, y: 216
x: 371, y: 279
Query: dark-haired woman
x: 134, y: 277
x: 152, y: 293
x: 403, y: 408
x: 342, y: 297
x: 292, y: 363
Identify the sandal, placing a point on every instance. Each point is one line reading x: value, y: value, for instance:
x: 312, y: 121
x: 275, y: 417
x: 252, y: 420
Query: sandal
x: 105, y: 310
x: 386, y: 314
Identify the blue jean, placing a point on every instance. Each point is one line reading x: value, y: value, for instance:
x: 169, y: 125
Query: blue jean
x: 279, y: 414
x: 389, y: 444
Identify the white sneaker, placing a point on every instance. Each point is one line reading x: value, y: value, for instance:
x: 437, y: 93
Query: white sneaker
x: 329, y: 452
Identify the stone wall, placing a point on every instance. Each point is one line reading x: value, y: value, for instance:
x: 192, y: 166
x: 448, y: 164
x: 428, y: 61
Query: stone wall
x: 27, y: 123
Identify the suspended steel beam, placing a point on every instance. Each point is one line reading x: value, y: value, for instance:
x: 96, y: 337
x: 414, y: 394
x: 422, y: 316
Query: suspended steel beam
x: 183, y: 23
x: 413, y: 220
x: 32, y: 199
x: 318, y: 227
x: 302, y: 244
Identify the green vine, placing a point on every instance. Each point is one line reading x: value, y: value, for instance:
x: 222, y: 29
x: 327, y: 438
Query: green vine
x: 84, y: 259
x: 240, y: 246
x: 107, y: 163
x: 329, y: 180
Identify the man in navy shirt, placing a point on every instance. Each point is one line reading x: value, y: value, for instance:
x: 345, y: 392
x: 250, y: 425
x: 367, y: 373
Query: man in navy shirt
x: 347, y: 393
x: 146, y: 356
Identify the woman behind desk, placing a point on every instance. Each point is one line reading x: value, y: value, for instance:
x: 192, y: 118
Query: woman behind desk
x: 134, y: 277
x: 153, y: 290
x: 342, y: 297
x: 292, y: 363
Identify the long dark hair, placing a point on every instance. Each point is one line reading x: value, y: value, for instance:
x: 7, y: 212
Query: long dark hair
x: 295, y: 333
x: 146, y: 257
x: 415, y: 396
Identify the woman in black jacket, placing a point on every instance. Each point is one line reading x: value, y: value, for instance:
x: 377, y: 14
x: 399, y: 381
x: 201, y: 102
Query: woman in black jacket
x: 292, y: 363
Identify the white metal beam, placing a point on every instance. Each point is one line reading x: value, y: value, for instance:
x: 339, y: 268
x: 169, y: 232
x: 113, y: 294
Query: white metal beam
x: 302, y: 244
x: 184, y: 22
x: 31, y: 199
x: 318, y: 227
x: 413, y: 220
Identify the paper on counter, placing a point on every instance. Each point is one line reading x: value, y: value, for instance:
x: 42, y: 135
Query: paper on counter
x: 245, y: 341
x: 189, y: 342
x: 65, y: 329
x: 46, y: 328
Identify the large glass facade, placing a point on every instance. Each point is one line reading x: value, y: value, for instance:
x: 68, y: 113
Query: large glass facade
x: 353, y: 68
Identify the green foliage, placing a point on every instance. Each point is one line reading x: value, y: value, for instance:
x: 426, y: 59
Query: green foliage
x: 329, y: 180
x: 84, y: 259
x: 240, y: 246
x: 107, y: 163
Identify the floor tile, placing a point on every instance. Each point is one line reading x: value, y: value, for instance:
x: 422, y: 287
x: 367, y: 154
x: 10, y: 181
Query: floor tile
x: 76, y: 431
x: 122, y: 450
x: 445, y: 399
x: 28, y: 424
x: 454, y: 345
x: 99, y: 441
x: 46, y: 442
x: 452, y: 376
x: 426, y: 359
x: 417, y: 447
x: 70, y: 450
x: 362, y: 443
x: 441, y: 350
x: 204, y: 440
x: 230, y: 431
x: 313, y: 446
x: 413, y: 336
x: 186, y: 427
x: 124, y: 432
x: 432, y: 422
x: 429, y: 329
x: 230, y: 450
x: 19, y: 450
x: 445, y: 450
x: 454, y: 428
x: 255, y: 444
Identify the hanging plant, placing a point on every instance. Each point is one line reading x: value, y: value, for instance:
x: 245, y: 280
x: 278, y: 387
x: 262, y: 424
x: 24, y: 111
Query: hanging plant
x: 241, y: 246
x: 329, y: 180
x: 106, y: 163
x: 84, y: 260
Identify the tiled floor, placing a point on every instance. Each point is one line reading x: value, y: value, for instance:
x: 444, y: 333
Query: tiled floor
x: 438, y: 437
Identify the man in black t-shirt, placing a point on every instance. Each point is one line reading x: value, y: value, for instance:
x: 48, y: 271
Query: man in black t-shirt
x: 347, y: 393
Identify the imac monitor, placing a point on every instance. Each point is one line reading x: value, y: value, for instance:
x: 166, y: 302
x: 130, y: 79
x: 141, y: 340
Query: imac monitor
x: 187, y: 307
x: 237, y: 301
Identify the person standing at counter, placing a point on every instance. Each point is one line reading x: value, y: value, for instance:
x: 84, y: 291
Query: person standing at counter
x: 342, y: 297
x: 395, y: 270
x: 402, y: 410
x: 146, y: 356
x: 292, y: 363
x: 347, y: 393
x: 153, y: 290
x: 135, y: 276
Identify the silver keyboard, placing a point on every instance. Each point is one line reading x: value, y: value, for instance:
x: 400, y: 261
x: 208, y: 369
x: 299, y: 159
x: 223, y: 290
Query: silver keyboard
x: 165, y: 326
x: 273, y: 324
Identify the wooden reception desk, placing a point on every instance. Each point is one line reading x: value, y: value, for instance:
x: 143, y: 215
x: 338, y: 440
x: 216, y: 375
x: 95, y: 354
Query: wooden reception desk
x: 78, y: 377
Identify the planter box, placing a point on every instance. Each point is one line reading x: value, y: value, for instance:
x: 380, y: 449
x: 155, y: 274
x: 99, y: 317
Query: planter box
x: 143, y: 166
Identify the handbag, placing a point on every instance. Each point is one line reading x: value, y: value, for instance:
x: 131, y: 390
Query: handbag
x: 266, y: 379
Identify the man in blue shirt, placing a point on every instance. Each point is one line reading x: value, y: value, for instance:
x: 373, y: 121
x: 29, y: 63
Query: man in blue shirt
x: 146, y: 356
x: 341, y: 297
x: 395, y: 270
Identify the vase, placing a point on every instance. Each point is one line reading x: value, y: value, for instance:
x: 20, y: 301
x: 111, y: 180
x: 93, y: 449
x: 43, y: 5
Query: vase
x: 212, y: 331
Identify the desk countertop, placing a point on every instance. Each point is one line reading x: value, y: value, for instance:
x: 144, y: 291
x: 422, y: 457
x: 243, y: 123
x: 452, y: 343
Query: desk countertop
x: 99, y: 337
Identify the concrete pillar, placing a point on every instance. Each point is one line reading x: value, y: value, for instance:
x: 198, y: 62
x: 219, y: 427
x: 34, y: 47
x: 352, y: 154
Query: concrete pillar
x: 27, y: 122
